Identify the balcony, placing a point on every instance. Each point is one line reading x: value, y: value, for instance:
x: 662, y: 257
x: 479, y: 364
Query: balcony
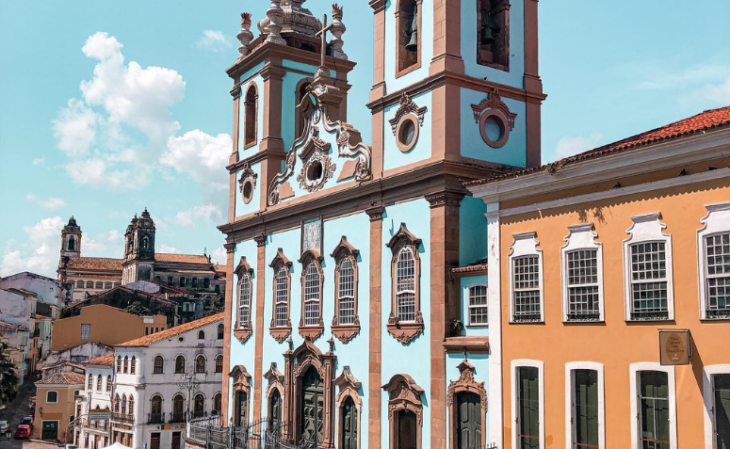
x: 123, y: 418
x: 155, y: 418
x: 177, y: 417
x: 95, y: 425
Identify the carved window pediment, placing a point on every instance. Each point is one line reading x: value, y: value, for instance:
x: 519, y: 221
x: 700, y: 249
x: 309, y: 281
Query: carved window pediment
x: 347, y: 381
x: 280, y: 259
x: 344, y: 248
x: 494, y: 118
x: 274, y: 377
x: 346, y: 320
x: 405, y: 395
x: 243, y: 267
x: 403, y: 237
x: 241, y: 378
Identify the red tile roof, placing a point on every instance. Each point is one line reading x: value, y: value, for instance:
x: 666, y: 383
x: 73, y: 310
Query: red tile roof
x: 220, y: 268
x: 173, y: 331
x: 187, y: 258
x: 477, y: 266
x: 700, y: 123
x: 94, y: 263
x: 71, y: 364
x: 63, y: 379
x: 106, y: 359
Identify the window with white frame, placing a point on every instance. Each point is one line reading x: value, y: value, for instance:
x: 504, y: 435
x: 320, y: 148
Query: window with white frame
x: 405, y: 285
x: 346, y: 292
x: 282, y: 298
x: 244, y: 302
x: 528, y: 409
x: 526, y: 287
x: 648, y: 270
x: 713, y: 246
x: 85, y: 331
x: 716, y: 394
x: 312, y: 289
x: 653, y: 406
x: 478, y: 305
x: 584, y: 405
x: 582, y: 260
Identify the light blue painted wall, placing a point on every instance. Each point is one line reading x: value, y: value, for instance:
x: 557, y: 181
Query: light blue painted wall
x: 393, y: 157
x: 481, y: 374
x: 289, y: 101
x: 255, y: 204
x: 247, y: 79
x: 243, y: 354
x: 472, y: 145
x: 472, y: 231
x: 393, y: 83
x: 469, y: 39
x: 465, y: 283
x: 413, y: 358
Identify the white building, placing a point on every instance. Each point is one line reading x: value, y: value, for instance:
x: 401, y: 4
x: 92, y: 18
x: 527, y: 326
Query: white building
x: 49, y: 291
x: 150, y: 406
x: 94, y: 433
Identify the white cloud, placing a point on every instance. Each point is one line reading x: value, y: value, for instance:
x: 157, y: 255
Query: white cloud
x: 572, y: 145
x: 707, y: 80
x: 213, y: 40
x: 50, y: 203
x: 75, y: 128
x: 39, y: 160
x: 719, y: 93
x: 108, y: 244
x: 191, y: 217
x: 167, y: 249
x: 40, y: 253
x: 218, y: 256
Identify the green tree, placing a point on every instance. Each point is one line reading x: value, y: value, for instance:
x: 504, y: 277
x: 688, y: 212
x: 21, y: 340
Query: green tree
x: 8, y: 377
x: 137, y: 308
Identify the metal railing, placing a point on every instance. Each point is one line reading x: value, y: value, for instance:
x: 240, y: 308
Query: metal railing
x: 123, y: 418
x: 178, y: 417
x: 210, y: 434
x: 156, y: 418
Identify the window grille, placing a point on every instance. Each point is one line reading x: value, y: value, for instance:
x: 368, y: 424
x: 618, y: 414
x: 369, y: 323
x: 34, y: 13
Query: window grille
x: 282, y: 298
x: 406, y: 286
x: 312, y: 289
x: 244, y: 310
x: 649, y: 281
x: 717, y: 254
x: 478, y: 305
x: 527, y: 288
x: 583, y: 296
x: 85, y: 331
x: 346, y: 292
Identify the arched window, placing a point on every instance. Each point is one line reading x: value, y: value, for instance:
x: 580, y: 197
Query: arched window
x: 280, y: 326
x: 201, y: 335
x: 282, y: 298
x: 217, y: 404
x: 275, y: 409
x: 159, y: 365
x: 346, y: 323
x: 346, y: 292
x: 405, y: 284
x: 244, y: 301
x: 130, y: 406
x: 178, y: 409
x: 89, y: 284
x: 145, y: 242
x: 99, y: 285
x: 90, y: 383
x: 117, y: 403
x: 79, y: 284
x: 180, y: 365
x: 250, y: 116
x: 99, y: 380
x: 200, y: 364
x: 408, y: 22
x: 124, y: 404
x: 219, y: 363
x: 405, y: 321
x: 108, y: 384
x: 126, y: 364
x: 348, y: 426
x: 405, y: 412
x: 156, y: 410
x: 119, y: 364
x: 311, y: 296
x: 220, y: 332
x: 133, y: 366
x: 199, y: 406
x: 72, y: 244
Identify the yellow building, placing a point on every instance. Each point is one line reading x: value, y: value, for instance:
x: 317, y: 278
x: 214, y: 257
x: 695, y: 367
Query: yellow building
x: 55, y: 404
x: 103, y: 324
x: 590, y: 258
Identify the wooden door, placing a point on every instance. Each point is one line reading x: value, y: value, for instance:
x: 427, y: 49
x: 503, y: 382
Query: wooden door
x: 312, y: 407
x: 49, y: 431
x: 349, y: 425
x: 175, y: 440
x: 155, y: 441
x: 468, y: 421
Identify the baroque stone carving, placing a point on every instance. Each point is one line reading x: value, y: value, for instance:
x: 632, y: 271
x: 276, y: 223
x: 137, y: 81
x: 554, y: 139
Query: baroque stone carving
x: 405, y: 331
x: 493, y: 107
x: 404, y: 394
x: 466, y: 384
x: 407, y: 106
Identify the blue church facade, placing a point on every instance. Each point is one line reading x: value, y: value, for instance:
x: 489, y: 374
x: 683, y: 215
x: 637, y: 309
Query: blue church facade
x: 357, y: 315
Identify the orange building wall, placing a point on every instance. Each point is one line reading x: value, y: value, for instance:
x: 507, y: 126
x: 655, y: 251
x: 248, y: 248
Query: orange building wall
x: 615, y: 343
x: 109, y: 326
x: 61, y: 411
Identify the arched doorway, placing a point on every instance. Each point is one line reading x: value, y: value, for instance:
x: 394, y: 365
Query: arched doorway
x: 312, y: 409
x: 275, y: 410
x: 241, y: 408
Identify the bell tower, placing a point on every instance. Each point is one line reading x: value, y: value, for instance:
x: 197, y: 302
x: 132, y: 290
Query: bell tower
x: 458, y: 81
x: 278, y: 61
x: 139, y: 249
x: 70, y: 240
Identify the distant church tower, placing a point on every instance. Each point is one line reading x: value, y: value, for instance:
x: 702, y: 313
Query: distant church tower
x: 139, y: 249
x: 70, y: 241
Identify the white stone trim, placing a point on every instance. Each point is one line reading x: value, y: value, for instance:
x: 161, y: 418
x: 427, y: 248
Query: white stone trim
x: 541, y: 384
x: 716, y: 221
x: 709, y: 399
x: 634, y: 370
x: 569, y: 368
x: 580, y: 237
x: 467, y: 306
x: 524, y: 244
x: 647, y: 228
x: 494, y: 292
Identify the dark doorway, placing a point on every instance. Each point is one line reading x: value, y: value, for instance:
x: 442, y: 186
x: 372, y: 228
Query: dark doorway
x: 406, y: 426
x: 175, y: 440
x: 241, y: 408
x: 468, y: 421
x: 49, y: 430
x: 155, y: 441
x: 311, y: 409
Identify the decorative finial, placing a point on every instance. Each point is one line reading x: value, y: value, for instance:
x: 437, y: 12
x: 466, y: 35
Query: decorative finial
x: 245, y: 36
x: 275, y: 14
x: 290, y: 342
x: 331, y: 342
x: 338, y: 29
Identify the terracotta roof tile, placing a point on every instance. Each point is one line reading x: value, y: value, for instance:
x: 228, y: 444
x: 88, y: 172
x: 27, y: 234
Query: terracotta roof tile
x: 106, y: 359
x: 476, y: 266
x: 705, y: 121
x: 220, y: 268
x: 189, y: 258
x: 63, y: 379
x: 74, y: 365
x: 94, y: 263
x: 173, y: 331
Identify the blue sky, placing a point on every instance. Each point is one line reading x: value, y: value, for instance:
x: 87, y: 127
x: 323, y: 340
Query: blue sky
x: 110, y: 107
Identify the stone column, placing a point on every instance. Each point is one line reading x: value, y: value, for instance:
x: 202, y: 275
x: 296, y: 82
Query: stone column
x: 230, y: 249
x: 444, y: 256
x: 329, y: 416
x: 259, y: 329
x: 376, y: 327
x: 288, y: 399
x: 446, y: 37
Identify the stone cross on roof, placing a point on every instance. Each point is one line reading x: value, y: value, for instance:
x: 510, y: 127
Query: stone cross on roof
x: 323, y: 34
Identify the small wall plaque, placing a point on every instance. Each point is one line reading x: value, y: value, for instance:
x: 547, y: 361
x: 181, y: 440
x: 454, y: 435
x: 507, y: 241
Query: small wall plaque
x: 675, y: 347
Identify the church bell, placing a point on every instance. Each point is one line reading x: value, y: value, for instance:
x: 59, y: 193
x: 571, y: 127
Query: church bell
x: 412, y: 44
x: 489, y: 28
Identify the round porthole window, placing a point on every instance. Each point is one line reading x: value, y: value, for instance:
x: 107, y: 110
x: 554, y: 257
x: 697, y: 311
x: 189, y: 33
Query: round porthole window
x: 493, y: 128
x: 407, y: 133
x: 247, y: 190
x: 315, y: 171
